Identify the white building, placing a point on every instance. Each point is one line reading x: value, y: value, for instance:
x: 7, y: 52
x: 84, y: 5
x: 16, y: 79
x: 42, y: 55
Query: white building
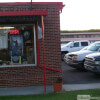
x: 91, y: 36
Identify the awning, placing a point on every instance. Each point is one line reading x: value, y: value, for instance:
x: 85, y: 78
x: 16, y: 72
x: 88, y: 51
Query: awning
x: 21, y: 17
x: 23, y: 13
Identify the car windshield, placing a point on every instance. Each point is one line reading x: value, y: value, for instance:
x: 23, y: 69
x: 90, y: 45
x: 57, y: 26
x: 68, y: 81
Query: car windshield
x: 62, y: 44
x: 68, y: 44
x: 85, y: 48
x: 94, y: 47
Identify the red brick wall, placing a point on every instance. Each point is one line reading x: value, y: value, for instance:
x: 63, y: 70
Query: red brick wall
x: 33, y: 75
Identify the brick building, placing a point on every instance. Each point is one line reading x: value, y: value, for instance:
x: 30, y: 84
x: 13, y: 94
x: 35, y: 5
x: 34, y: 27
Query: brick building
x: 29, y: 43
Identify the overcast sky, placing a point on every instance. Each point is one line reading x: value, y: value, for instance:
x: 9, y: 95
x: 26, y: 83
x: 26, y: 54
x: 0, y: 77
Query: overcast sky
x: 77, y: 14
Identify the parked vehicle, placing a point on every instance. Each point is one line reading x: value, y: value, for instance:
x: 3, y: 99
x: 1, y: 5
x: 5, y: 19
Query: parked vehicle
x: 92, y: 63
x: 85, y: 48
x: 73, y: 46
x: 62, y: 44
x: 76, y: 59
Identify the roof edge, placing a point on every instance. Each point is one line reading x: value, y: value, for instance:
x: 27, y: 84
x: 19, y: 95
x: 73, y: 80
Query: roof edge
x: 23, y: 3
x: 60, y: 5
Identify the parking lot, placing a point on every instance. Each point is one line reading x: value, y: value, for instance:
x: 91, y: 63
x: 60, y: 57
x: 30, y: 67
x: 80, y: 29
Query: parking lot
x: 73, y: 76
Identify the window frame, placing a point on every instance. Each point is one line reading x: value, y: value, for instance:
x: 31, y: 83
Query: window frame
x: 35, y: 51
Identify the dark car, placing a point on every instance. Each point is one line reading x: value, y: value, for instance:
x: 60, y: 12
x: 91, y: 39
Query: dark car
x: 92, y: 63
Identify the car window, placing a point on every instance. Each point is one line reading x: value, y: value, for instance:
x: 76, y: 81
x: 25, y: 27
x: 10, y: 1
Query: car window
x: 68, y: 44
x: 84, y: 43
x: 94, y: 47
x: 76, y: 44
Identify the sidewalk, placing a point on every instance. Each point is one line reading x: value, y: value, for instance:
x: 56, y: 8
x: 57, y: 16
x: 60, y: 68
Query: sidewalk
x: 72, y: 87
x: 25, y: 90
x: 49, y: 89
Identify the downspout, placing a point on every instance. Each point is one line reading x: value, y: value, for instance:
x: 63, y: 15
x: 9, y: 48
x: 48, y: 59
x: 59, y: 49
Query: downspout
x: 42, y: 24
x: 38, y: 54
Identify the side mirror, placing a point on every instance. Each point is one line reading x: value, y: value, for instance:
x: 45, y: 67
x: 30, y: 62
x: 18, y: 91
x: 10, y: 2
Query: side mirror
x: 71, y: 46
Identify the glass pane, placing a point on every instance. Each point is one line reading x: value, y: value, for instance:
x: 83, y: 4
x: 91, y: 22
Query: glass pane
x: 17, y: 45
x: 76, y: 44
x: 84, y: 43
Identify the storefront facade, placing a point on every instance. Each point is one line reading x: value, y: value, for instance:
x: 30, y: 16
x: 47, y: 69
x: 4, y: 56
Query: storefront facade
x: 29, y: 43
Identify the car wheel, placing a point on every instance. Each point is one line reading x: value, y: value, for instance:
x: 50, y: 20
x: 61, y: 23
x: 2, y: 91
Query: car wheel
x: 62, y: 55
x: 83, y: 68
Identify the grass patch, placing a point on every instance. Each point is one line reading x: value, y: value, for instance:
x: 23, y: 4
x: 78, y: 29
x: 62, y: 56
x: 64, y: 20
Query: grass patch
x: 70, y: 95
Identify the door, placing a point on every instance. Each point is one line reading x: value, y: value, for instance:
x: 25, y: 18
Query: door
x: 76, y: 47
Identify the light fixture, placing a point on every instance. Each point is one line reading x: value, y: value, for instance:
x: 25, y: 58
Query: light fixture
x: 8, y: 27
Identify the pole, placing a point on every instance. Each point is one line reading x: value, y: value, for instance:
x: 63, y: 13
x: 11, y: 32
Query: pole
x: 31, y: 5
x: 43, y: 54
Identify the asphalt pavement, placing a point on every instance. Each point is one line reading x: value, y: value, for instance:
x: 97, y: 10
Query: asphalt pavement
x: 74, y: 76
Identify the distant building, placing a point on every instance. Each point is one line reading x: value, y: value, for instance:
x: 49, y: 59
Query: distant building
x: 91, y: 36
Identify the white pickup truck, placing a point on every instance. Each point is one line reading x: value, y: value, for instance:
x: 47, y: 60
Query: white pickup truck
x: 73, y: 46
x: 76, y: 59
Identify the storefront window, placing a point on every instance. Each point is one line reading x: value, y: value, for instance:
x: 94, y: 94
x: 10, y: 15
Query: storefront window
x: 17, y: 45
